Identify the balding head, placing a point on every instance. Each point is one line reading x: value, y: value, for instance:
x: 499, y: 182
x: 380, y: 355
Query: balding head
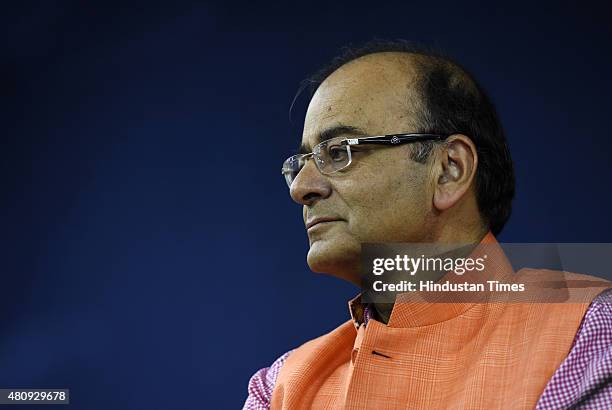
x: 381, y: 88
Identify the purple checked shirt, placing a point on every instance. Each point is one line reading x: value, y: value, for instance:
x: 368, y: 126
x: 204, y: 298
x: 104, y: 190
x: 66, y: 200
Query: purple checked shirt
x: 582, y: 381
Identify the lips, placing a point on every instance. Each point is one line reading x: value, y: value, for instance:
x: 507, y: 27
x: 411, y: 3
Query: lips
x: 316, y: 221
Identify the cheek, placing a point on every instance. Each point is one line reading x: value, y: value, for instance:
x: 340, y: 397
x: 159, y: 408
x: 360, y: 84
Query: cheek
x: 388, y: 210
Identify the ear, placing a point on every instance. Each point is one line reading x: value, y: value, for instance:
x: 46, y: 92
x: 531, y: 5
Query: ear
x: 455, y: 171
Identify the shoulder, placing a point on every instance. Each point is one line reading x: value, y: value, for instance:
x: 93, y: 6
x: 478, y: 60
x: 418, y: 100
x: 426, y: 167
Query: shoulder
x: 323, y: 349
x: 262, y: 383
x: 596, y: 327
x: 585, y: 376
x: 568, y: 288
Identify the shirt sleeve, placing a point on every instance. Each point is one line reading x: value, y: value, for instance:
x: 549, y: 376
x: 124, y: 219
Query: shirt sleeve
x: 584, y: 379
x: 262, y: 384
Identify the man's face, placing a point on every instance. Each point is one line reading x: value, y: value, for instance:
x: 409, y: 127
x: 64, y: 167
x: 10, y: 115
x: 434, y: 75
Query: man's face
x: 383, y: 196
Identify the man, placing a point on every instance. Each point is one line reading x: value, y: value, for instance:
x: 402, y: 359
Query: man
x: 439, y: 172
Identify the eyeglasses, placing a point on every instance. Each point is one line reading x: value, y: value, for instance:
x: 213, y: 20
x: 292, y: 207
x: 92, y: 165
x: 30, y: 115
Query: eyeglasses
x: 334, y: 154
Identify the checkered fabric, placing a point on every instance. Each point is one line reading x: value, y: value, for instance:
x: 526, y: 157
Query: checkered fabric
x: 261, y: 385
x: 583, y: 381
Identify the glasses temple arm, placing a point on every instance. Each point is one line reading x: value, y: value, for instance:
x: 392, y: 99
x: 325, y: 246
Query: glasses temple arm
x: 393, y: 139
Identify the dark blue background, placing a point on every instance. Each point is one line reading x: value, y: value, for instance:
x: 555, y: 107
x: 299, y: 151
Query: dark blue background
x: 151, y: 256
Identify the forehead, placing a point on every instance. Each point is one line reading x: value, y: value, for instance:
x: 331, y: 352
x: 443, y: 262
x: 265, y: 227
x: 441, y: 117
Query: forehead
x: 375, y: 93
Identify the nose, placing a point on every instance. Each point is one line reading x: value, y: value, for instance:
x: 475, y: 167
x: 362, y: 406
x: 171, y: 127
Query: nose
x: 309, y: 185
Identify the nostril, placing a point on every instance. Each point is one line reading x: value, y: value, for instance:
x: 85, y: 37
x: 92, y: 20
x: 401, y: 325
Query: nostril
x: 310, y: 196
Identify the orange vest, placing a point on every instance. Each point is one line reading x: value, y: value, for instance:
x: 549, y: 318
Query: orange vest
x: 438, y: 355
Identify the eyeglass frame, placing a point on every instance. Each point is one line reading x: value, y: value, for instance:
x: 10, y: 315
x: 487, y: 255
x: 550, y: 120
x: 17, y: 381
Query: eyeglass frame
x: 389, y: 139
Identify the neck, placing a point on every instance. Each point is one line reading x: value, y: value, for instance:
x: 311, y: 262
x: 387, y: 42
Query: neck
x: 382, y: 311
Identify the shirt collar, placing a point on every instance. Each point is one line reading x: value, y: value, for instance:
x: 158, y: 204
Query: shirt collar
x: 411, y: 310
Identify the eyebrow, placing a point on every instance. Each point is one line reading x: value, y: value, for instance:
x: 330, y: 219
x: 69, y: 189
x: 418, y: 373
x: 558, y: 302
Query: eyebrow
x: 332, y: 132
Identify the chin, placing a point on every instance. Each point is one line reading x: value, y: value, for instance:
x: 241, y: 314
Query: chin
x: 339, y: 259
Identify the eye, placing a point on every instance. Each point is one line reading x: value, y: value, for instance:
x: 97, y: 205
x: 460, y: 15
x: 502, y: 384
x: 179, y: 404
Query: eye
x: 337, y: 153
